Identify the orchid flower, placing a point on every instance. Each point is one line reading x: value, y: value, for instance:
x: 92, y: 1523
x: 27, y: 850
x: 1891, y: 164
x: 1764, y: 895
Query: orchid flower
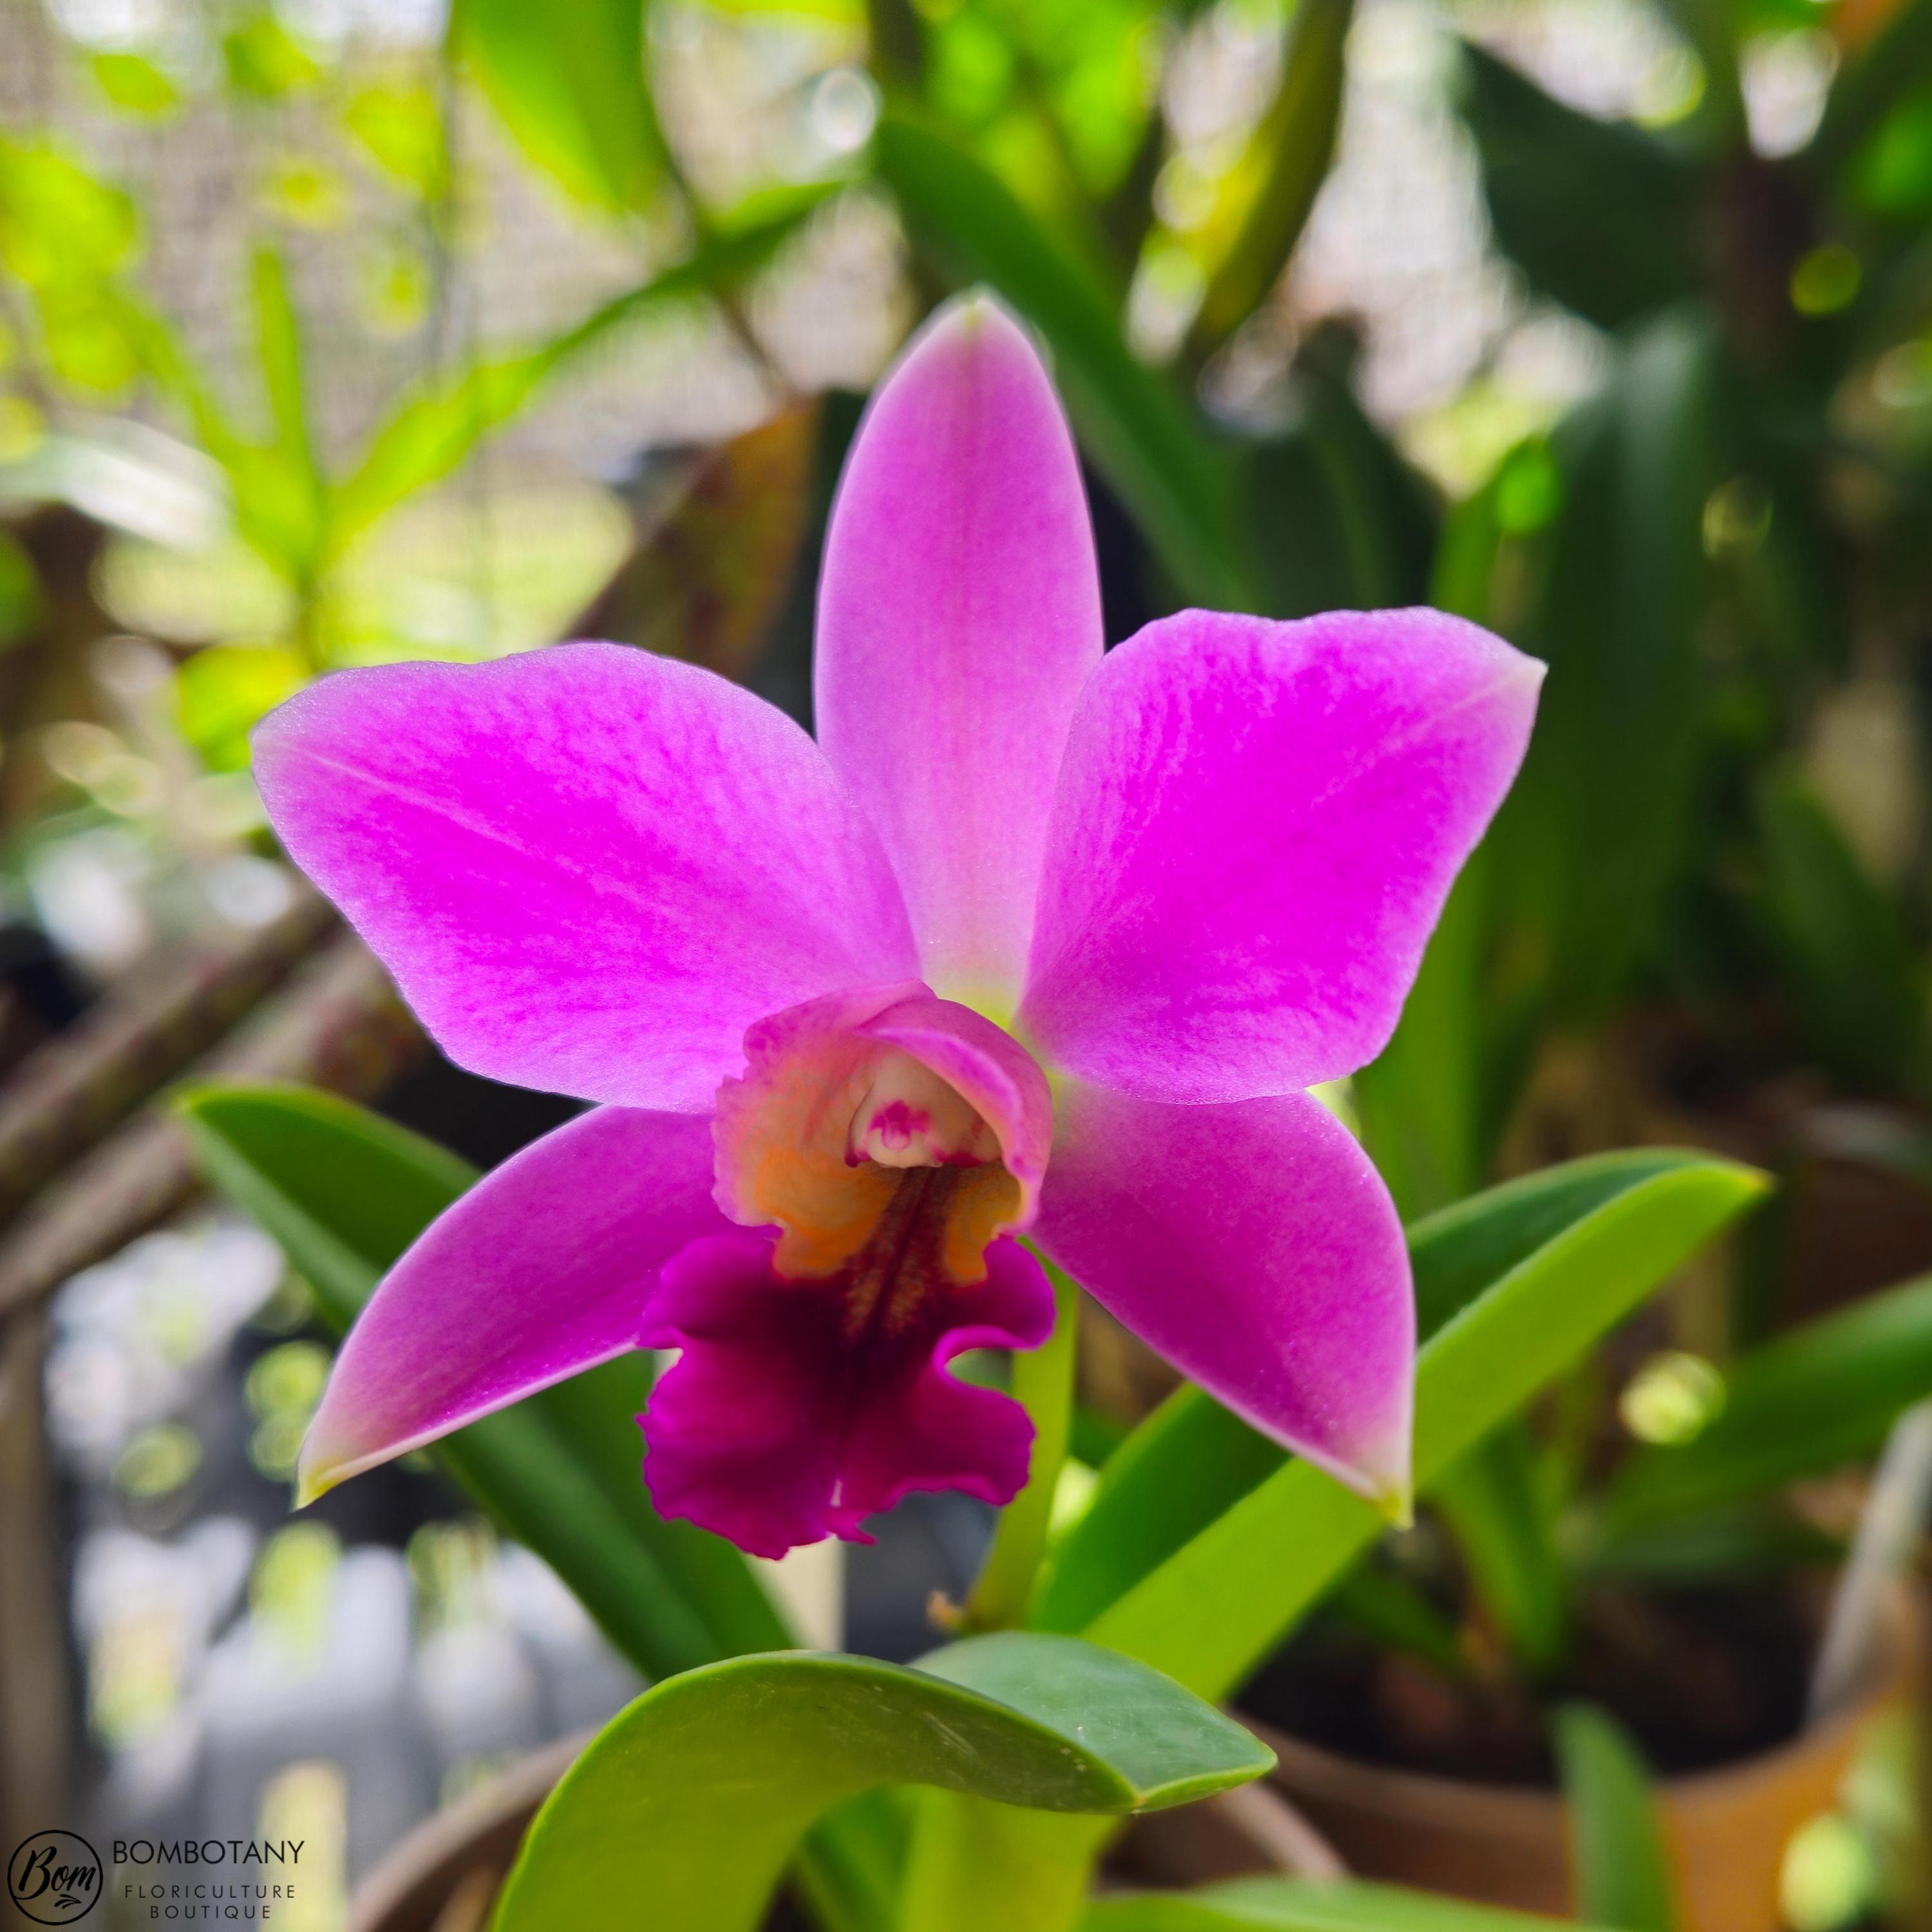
x: 1032, y: 941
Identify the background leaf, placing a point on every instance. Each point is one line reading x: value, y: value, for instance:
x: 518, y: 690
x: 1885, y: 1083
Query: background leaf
x: 1616, y: 1844
x: 1600, y: 215
x: 567, y: 79
x: 1815, y: 1398
x: 1297, y: 136
x: 1585, y: 846
x: 1842, y: 945
x: 1136, y: 428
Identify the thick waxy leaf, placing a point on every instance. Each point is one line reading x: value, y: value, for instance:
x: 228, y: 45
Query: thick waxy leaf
x: 1597, y: 213
x: 567, y: 79
x: 1303, y: 1905
x: 1816, y: 1398
x: 1136, y: 427
x: 1622, y: 1876
x: 1192, y: 1460
x: 345, y: 1192
x: 692, y: 1801
x: 1213, y: 1610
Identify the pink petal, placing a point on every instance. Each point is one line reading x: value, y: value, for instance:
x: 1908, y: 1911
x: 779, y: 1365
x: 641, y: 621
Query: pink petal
x: 779, y: 1424
x: 1255, y: 829
x: 542, y: 1269
x: 958, y: 616
x: 1252, y: 1244
x: 589, y: 869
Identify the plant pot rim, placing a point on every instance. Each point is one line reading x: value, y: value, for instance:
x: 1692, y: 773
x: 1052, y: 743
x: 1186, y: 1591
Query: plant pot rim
x: 1440, y: 1797
x: 412, y: 1878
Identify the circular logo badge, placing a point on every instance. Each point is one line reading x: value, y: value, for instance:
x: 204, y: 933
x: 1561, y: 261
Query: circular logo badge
x: 55, y: 1878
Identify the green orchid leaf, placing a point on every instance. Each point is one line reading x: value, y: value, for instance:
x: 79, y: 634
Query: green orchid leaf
x: 1211, y: 1612
x: 1137, y: 429
x: 1600, y: 215
x: 1191, y: 1460
x: 568, y: 80
x: 345, y: 1192
x: 1814, y: 1399
x: 695, y: 1798
x: 1623, y: 1875
x: 1304, y: 1905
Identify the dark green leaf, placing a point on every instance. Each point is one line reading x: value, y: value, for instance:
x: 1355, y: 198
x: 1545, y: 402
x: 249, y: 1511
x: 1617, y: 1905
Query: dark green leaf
x: 1843, y: 946
x: 1491, y: 1503
x: 1722, y: 1546
x: 1591, y: 837
x: 1421, y: 1105
x: 1893, y: 63
x: 695, y: 1797
x: 1622, y: 1875
x: 1340, y: 521
x: 1599, y: 214
x: 1396, y: 1615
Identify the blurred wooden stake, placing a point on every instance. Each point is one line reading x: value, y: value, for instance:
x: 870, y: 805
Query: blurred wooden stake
x: 35, y: 1758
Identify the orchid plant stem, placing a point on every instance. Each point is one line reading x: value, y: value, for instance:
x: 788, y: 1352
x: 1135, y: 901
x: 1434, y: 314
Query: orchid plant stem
x: 1043, y: 1386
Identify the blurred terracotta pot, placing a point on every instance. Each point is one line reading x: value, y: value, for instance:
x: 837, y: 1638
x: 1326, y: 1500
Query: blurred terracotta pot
x: 1726, y: 1830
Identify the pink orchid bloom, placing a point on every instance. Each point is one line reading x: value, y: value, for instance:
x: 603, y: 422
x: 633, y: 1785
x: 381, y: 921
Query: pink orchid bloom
x: 1031, y: 939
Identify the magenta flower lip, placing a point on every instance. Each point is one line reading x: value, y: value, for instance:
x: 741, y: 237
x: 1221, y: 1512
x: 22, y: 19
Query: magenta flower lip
x: 1034, y: 941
